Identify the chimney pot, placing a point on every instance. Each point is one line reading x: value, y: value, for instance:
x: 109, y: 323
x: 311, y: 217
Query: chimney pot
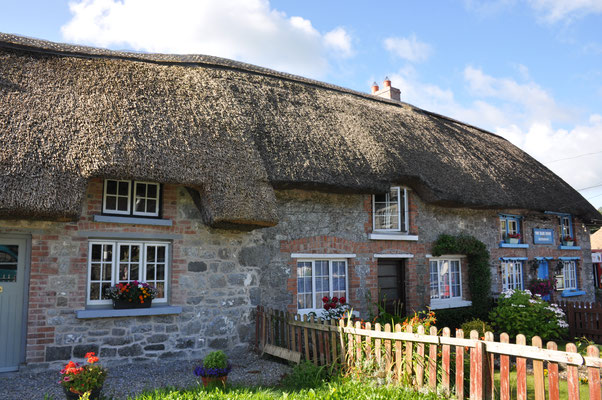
x: 387, y: 82
x: 374, y: 88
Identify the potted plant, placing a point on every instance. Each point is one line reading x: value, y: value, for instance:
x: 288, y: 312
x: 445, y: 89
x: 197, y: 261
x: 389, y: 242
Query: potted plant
x: 214, y: 368
x: 77, y: 380
x: 132, y: 295
x: 568, y: 240
x: 513, y: 238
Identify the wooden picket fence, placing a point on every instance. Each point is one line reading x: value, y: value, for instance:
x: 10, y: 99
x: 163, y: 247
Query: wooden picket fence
x: 585, y: 319
x: 421, y: 359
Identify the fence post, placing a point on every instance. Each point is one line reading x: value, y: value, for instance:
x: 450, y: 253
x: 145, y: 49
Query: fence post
x: 460, y: 366
x: 593, y: 375
x: 504, y: 370
x: 521, y: 371
x: 477, y: 368
x: 433, y: 360
x: 398, y: 355
x: 445, y: 360
x: 420, y: 361
x: 553, y: 384
x: 377, y: 351
x: 306, y: 338
x: 538, y: 378
x: 490, y: 376
x: 343, y: 352
x: 313, y: 340
x: 572, y: 375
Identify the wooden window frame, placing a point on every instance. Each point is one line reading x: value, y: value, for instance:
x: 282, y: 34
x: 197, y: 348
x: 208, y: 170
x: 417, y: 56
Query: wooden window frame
x: 317, y: 307
x: 440, y: 260
x: 400, y: 218
x: 509, y: 267
x: 115, y: 267
x: 132, y: 200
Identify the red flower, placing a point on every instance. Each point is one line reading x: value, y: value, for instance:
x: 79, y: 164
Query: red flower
x: 343, y: 300
x: 335, y: 299
x: 325, y: 299
x: 90, y: 354
x: 333, y: 305
x: 327, y: 306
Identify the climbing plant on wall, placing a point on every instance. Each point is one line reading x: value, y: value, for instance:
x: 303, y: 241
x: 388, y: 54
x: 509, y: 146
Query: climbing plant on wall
x: 479, y: 272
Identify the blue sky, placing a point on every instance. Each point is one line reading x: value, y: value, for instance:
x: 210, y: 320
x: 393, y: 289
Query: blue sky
x: 529, y: 70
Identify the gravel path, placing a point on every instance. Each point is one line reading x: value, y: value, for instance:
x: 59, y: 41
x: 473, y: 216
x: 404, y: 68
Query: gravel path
x: 132, y: 379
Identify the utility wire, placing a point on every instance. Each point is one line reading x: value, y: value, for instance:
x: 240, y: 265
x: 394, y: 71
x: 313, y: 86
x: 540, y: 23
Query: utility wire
x: 571, y: 158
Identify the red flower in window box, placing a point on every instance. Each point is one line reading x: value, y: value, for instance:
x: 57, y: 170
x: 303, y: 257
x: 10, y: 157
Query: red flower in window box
x: 514, y: 235
x: 568, y: 238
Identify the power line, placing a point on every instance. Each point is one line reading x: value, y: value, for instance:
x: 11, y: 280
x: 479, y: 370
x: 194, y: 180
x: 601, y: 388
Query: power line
x: 570, y: 158
x: 590, y: 187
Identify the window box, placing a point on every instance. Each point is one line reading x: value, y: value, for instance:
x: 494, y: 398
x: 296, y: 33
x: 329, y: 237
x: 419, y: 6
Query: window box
x: 512, y: 240
x: 130, y: 312
x: 568, y: 243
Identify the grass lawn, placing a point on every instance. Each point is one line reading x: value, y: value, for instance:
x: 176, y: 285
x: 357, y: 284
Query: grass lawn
x: 339, y: 389
x: 583, y: 388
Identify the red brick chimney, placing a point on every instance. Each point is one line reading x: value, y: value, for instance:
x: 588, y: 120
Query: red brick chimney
x: 388, y: 91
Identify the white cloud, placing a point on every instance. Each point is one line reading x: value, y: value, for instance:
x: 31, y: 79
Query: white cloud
x: 246, y: 30
x: 340, y: 41
x: 556, y: 10
x: 409, y: 48
x: 525, y: 114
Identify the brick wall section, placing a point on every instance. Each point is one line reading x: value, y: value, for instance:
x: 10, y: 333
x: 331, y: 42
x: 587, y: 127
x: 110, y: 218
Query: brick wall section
x: 219, y: 276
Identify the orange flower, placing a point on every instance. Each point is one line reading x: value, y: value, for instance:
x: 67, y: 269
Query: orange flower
x: 92, y: 360
x: 90, y: 354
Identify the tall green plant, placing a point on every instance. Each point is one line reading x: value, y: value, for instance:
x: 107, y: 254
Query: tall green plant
x: 479, y: 272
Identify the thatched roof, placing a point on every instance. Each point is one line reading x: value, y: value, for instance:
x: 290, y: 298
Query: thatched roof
x: 233, y: 133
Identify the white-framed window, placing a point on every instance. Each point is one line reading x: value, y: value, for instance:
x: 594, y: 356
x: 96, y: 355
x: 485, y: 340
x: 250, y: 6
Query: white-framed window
x: 446, y: 279
x: 569, y: 273
x: 116, y: 198
x: 390, y: 211
x: 512, y: 275
x: 112, y: 262
x: 319, y: 278
x: 135, y: 198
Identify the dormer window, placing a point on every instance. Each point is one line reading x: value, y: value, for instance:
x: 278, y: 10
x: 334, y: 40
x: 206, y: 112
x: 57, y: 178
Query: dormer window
x: 390, y: 211
x: 131, y: 198
x: 510, y: 229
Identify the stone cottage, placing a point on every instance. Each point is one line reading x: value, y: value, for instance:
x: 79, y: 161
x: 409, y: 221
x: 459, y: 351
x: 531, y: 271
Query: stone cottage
x: 226, y: 186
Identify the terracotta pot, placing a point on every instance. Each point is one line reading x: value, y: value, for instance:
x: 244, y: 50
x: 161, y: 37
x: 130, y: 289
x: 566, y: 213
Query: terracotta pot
x: 122, y: 304
x: 94, y: 395
x: 208, y: 380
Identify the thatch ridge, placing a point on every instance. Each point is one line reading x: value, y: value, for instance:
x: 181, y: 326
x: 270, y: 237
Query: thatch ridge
x: 233, y: 132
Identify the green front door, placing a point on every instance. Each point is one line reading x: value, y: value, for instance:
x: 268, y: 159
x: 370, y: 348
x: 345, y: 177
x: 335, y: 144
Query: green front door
x: 12, y: 286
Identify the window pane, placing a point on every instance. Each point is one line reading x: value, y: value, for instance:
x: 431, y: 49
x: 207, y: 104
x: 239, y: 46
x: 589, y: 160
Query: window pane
x: 95, y: 291
x: 111, y: 187
x: 107, y: 252
x: 150, y: 254
x: 152, y: 191
x: 140, y: 205
x: 160, y: 286
x: 96, y: 252
x: 434, y: 280
x: 105, y: 286
x: 161, y: 254
x: 95, y: 272
x: 122, y: 204
x: 106, y: 272
x: 304, y: 289
x: 111, y: 203
x: 151, y: 206
x: 124, y: 188
x: 150, y: 272
x: 160, y: 272
x: 140, y: 190
x: 455, y: 278
x: 444, y: 289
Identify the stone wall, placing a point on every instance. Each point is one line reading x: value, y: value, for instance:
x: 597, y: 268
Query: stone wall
x: 219, y: 276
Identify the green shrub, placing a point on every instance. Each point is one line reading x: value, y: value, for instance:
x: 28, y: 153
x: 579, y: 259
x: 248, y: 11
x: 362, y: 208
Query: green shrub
x: 453, y: 318
x: 305, y: 375
x: 476, y: 325
x: 216, y: 359
x: 517, y: 312
x: 479, y: 272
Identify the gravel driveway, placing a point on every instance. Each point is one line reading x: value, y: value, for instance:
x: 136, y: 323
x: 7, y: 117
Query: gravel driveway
x: 132, y: 379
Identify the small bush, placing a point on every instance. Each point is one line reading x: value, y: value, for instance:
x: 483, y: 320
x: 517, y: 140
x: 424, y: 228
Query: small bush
x: 216, y: 359
x: 305, y: 375
x: 520, y: 312
x: 453, y: 318
x: 476, y: 325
